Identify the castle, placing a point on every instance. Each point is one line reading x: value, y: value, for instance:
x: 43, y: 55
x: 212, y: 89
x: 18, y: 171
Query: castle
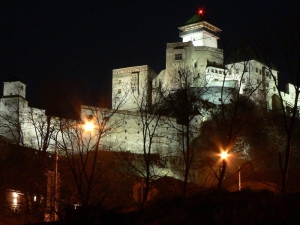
x: 246, y: 74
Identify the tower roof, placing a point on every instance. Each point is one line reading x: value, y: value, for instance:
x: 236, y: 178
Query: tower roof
x: 195, y: 19
x: 199, y: 22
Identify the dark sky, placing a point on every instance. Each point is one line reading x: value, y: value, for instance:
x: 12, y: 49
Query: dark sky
x: 47, y: 40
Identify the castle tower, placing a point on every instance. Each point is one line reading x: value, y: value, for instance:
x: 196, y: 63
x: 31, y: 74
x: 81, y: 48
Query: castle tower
x: 13, y: 100
x: 130, y: 86
x: 199, y: 45
x: 200, y: 32
x: 13, y: 106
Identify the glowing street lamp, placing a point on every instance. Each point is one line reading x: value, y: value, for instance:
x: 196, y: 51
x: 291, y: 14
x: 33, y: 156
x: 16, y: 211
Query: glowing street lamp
x: 88, y: 126
x: 224, y: 155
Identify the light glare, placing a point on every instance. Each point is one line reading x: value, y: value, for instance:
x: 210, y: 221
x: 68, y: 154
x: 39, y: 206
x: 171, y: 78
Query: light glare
x: 88, y: 126
x: 224, y: 155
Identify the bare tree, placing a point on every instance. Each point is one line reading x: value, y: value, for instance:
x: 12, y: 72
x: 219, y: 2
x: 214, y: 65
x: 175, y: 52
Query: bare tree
x: 281, y: 44
x: 79, y: 156
x: 184, y: 100
x: 147, y: 125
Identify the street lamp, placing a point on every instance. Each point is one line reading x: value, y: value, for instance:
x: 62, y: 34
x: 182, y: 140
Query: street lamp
x: 87, y: 126
x: 224, y: 155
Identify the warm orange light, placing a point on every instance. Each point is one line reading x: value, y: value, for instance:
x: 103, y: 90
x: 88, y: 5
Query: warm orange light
x: 224, y: 155
x: 88, y: 126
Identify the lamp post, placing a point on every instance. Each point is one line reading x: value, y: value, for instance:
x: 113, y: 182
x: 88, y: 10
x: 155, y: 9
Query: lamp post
x: 87, y: 126
x: 223, y: 156
x: 54, y: 216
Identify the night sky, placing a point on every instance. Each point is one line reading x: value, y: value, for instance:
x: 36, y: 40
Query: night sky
x: 50, y: 40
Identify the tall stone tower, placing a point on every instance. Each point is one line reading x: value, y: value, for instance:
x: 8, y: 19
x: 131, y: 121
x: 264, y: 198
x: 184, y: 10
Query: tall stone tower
x: 199, y: 46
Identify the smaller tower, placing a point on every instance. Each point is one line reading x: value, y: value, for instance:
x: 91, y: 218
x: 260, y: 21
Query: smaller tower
x: 130, y: 86
x: 13, y: 99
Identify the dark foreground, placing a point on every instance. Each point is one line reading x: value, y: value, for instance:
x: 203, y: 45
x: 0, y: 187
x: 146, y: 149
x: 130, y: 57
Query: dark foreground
x: 245, y: 207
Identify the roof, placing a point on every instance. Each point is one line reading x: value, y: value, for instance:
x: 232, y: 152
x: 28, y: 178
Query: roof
x: 246, y: 54
x: 195, y: 19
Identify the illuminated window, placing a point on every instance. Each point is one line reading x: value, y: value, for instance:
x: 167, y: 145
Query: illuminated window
x: 134, y: 81
x: 178, y: 56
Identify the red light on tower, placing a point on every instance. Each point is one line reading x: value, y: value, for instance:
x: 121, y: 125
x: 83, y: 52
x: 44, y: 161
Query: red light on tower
x: 200, y: 12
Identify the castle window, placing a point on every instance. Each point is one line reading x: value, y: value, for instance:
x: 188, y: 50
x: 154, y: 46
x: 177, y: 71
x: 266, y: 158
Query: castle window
x: 119, y: 91
x: 195, y: 65
x: 237, y: 70
x: 243, y: 80
x: 220, y: 71
x: 260, y: 72
x: 134, y: 81
x: 120, y: 82
x: 246, y: 69
x: 229, y: 72
x: 178, y: 56
x: 256, y: 69
x: 274, y: 88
